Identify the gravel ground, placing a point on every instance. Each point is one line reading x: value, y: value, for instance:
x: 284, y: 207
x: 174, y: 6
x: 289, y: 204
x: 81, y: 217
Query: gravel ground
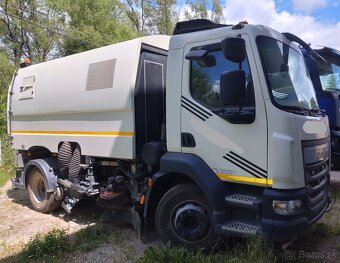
x: 19, y: 223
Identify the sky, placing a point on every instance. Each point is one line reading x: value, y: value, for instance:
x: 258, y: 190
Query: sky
x: 315, y: 21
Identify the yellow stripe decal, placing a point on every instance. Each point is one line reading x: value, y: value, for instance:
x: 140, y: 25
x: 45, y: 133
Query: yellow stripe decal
x: 119, y: 133
x: 244, y: 179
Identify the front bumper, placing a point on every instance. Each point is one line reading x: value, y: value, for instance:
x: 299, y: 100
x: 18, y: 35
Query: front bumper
x: 283, y: 227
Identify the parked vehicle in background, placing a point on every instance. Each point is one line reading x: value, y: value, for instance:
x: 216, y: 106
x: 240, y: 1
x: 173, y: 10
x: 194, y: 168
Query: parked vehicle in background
x: 214, y: 131
x: 325, y: 74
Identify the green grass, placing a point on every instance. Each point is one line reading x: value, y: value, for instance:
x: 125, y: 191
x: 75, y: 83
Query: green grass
x: 5, y: 174
x: 7, y: 167
x: 335, y: 194
x: 57, y: 245
x: 323, y: 230
x: 53, y: 243
x: 255, y: 250
x: 3, y: 179
x: 91, y: 237
x: 338, y: 247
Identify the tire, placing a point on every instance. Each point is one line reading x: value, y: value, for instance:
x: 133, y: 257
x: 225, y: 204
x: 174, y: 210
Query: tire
x: 74, y: 166
x: 183, y: 218
x: 41, y: 200
x: 64, y: 158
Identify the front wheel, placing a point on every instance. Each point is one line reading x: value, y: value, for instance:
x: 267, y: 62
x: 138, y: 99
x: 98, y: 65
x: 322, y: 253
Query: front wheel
x: 41, y: 200
x: 183, y: 218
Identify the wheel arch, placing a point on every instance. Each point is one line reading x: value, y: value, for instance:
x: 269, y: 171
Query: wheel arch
x: 176, y: 168
x: 162, y: 182
x: 47, y: 168
x: 38, y: 151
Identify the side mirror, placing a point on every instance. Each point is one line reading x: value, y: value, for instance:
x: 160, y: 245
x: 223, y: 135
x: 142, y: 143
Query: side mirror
x: 232, y: 95
x: 234, y: 49
x: 202, y: 57
x: 233, y: 88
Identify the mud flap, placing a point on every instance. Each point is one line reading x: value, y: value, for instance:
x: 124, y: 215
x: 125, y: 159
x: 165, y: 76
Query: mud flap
x: 126, y: 215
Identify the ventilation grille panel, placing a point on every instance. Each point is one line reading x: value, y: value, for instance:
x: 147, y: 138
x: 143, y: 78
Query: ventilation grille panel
x: 100, y: 75
x: 27, y: 88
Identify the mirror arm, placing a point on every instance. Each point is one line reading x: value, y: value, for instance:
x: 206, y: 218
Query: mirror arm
x: 245, y: 117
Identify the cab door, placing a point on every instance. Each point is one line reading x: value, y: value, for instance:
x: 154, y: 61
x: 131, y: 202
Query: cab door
x: 235, y: 152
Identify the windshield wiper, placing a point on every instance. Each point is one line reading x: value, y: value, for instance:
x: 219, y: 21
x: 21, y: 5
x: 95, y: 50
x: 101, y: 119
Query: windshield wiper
x: 298, y: 110
x: 318, y: 112
x: 304, y: 111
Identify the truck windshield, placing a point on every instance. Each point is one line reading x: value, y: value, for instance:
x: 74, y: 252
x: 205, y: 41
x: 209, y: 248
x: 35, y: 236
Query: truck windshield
x: 329, y: 74
x: 287, y: 76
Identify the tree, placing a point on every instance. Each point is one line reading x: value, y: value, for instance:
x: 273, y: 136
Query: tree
x: 93, y: 23
x: 135, y: 12
x: 6, y: 72
x: 161, y: 16
x: 152, y: 16
x: 199, y: 9
x: 28, y: 28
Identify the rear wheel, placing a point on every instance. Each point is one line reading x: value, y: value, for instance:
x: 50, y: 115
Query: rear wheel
x: 41, y: 200
x: 183, y: 218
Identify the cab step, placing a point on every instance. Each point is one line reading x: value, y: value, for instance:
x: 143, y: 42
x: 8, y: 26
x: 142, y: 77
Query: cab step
x: 239, y: 228
x: 240, y: 200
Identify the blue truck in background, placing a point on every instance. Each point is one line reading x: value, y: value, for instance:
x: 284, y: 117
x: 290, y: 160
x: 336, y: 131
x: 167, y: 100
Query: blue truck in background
x: 325, y: 74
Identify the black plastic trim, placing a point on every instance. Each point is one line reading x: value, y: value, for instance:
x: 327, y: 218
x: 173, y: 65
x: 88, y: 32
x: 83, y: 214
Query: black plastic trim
x: 48, y: 168
x: 195, y: 168
x: 315, y: 142
x: 188, y: 140
x: 153, y: 49
x: 195, y: 25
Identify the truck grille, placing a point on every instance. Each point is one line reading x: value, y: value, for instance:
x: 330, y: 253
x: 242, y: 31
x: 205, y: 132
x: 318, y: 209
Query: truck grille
x: 317, y: 183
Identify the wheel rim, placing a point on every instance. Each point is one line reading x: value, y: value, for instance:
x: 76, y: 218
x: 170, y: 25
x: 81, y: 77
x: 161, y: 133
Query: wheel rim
x: 38, y: 188
x: 191, y: 221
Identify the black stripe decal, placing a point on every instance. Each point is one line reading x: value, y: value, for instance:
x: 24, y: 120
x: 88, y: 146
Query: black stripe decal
x: 193, y: 112
x: 250, y: 163
x: 194, y: 109
x: 196, y: 106
x: 247, y: 170
x: 246, y: 165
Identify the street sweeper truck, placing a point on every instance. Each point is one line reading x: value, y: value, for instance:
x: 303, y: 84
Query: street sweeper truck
x: 213, y: 131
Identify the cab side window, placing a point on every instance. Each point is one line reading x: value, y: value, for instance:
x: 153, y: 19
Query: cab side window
x: 205, y: 79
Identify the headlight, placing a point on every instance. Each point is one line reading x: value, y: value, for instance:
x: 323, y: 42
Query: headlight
x: 287, y: 207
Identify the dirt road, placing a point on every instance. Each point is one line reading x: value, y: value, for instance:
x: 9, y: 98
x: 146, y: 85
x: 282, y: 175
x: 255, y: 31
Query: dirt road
x: 19, y: 223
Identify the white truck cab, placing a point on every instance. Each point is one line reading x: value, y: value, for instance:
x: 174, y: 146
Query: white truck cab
x: 217, y: 133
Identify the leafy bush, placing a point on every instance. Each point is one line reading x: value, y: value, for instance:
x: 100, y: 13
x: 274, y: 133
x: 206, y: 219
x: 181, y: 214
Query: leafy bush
x: 7, y: 162
x: 54, y: 243
x: 7, y: 168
